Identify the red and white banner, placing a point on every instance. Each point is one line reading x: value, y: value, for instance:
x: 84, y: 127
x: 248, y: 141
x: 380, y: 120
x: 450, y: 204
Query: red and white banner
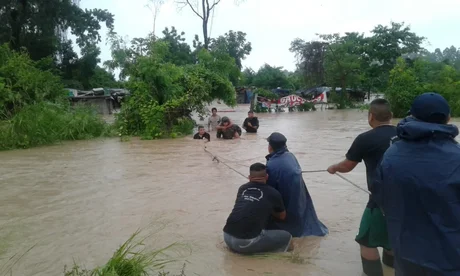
x: 293, y: 100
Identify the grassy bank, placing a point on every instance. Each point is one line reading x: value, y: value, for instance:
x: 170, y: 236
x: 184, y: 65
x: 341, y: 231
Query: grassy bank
x: 48, y: 123
x: 132, y: 258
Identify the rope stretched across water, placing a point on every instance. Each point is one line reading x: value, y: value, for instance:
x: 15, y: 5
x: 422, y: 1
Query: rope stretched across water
x: 216, y: 158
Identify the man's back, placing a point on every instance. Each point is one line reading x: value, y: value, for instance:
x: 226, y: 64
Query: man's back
x: 285, y: 175
x: 419, y: 189
x: 255, y: 203
x: 370, y: 147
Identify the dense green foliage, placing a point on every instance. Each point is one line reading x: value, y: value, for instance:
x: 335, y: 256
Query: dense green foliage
x: 391, y: 60
x: 409, y: 79
x: 164, y: 92
x: 166, y: 77
x: 33, y: 106
x: 46, y: 123
x: 40, y: 25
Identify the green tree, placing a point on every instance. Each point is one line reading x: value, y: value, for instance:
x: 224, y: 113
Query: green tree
x: 164, y: 94
x: 234, y: 44
x: 269, y: 77
x: 37, y: 25
x: 221, y: 63
x: 385, y: 46
x: 310, y: 60
x: 411, y: 78
x: 344, y: 60
x: 180, y: 52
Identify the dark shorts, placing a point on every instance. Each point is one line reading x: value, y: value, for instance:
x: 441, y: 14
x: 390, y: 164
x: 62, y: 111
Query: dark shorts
x: 267, y: 241
x: 373, y: 230
x: 406, y: 268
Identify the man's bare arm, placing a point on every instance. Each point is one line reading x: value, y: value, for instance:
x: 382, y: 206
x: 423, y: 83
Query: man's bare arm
x: 343, y: 167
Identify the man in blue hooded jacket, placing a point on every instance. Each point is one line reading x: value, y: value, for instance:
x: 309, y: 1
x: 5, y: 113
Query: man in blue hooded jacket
x: 285, y: 175
x: 417, y: 185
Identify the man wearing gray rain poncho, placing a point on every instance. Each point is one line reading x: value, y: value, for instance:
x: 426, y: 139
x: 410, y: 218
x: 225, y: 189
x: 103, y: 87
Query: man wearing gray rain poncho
x: 285, y: 175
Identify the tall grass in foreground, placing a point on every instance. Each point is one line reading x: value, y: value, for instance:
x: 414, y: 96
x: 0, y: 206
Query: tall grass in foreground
x: 47, y: 123
x: 132, y: 259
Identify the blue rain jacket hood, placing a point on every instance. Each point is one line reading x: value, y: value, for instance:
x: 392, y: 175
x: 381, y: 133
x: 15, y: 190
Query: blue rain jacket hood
x: 285, y: 175
x: 418, y: 187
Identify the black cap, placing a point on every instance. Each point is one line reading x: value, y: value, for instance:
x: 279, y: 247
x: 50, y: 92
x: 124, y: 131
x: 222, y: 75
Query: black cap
x: 225, y: 119
x: 250, y: 111
x: 276, y: 140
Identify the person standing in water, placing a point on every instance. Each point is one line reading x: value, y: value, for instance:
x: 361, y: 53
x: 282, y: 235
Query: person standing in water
x: 285, y: 175
x: 370, y: 147
x: 417, y: 185
x: 255, y: 203
x: 214, y: 120
x: 251, y: 123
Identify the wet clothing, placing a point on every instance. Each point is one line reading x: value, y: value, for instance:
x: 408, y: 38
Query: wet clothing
x: 267, y: 241
x: 254, y: 205
x: 205, y: 136
x: 254, y: 122
x: 373, y: 230
x: 229, y: 133
x: 285, y: 175
x: 417, y: 185
x: 405, y: 268
x: 370, y: 147
x: 213, y: 122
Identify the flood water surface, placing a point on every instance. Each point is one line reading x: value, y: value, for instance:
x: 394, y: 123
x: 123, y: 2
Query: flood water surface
x: 81, y: 200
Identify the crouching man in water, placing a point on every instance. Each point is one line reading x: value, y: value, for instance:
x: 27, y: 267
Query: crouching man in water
x: 228, y: 130
x: 255, y: 203
x: 370, y: 147
x: 417, y: 185
x: 286, y: 177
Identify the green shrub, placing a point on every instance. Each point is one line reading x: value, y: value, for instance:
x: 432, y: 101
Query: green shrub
x: 22, y: 83
x: 48, y: 123
x: 306, y: 106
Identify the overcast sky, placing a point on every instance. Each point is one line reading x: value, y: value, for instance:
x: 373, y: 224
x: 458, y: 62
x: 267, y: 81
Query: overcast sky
x: 272, y: 25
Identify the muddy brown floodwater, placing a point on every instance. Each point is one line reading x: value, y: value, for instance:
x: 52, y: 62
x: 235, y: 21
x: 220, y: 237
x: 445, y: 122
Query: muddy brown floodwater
x: 81, y: 200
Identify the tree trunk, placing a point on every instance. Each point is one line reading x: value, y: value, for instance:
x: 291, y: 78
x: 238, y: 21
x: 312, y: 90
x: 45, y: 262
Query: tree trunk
x: 206, y: 11
x: 18, y: 18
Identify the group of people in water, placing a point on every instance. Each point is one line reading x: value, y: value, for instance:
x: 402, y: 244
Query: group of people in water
x: 225, y: 128
x: 413, y: 176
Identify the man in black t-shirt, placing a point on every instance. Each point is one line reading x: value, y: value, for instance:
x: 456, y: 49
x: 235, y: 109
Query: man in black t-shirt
x: 370, y: 147
x: 251, y: 123
x: 255, y: 203
x: 202, y: 134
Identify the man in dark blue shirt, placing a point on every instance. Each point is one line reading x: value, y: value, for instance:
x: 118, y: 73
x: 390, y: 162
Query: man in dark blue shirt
x: 417, y: 185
